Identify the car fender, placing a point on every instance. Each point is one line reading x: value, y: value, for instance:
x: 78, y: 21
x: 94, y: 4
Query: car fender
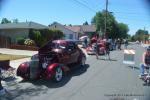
x: 23, y: 68
x: 50, y: 71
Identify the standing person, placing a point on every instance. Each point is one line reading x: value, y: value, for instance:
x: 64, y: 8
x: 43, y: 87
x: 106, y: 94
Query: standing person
x: 96, y: 47
x: 126, y: 44
x: 107, y: 48
x: 119, y: 44
x: 85, y: 42
x: 115, y: 44
x: 145, y: 61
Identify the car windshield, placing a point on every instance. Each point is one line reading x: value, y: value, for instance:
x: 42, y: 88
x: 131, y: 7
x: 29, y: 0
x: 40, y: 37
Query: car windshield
x: 58, y: 46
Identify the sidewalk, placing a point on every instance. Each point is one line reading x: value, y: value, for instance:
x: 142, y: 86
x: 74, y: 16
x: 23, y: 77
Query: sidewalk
x: 17, y: 52
x: 145, y: 45
x: 16, y: 63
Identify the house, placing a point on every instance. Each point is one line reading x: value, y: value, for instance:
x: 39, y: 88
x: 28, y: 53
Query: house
x: 80, y: 30
x: 14, y: 30
x: 89, y: 30
x: 75, y: 31
x: 69, y: 34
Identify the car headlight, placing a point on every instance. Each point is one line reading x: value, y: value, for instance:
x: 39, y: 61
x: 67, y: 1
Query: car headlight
x: 44, y: 65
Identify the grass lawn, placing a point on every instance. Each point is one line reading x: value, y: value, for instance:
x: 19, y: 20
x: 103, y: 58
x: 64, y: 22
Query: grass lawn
x: 11, y: 57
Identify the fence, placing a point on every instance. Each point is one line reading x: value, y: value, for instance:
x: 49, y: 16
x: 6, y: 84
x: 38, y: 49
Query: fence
x: 5, y: 42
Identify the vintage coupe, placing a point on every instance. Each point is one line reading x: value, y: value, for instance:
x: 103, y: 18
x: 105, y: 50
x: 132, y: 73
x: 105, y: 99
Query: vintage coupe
x: 52, y: 61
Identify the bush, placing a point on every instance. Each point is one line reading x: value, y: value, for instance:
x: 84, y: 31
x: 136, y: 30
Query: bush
x: 29, y: 42
x: 36, y: 36
x: 20, y: 41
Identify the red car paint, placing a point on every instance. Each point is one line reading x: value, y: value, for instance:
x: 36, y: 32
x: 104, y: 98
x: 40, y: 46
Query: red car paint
x: 57, y: 53
x: 90, y: 49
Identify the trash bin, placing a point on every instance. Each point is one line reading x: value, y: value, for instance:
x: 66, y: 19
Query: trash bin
x: 129, y: 55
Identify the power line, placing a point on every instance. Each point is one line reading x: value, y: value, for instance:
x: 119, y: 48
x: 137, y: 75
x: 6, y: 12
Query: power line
x: 129, y: 13
x: 91, y: 9
x: 91, y: 3
x: 106, y: 18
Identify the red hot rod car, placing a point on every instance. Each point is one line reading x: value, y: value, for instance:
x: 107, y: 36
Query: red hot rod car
x: 52, y: 61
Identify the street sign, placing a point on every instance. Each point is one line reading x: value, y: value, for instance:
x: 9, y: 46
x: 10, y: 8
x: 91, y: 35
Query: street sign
x: 129, y: 56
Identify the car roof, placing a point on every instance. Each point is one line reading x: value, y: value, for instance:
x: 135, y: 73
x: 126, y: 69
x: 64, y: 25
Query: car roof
x: 65, y: 41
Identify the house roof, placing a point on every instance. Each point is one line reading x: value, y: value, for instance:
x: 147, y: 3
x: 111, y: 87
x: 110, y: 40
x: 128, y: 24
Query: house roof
x: 23, y: 25
x: 56, y: 23
x: 78, y: 28
x: 88, y: 28
x: 74, y: 28
x: 83, y: 28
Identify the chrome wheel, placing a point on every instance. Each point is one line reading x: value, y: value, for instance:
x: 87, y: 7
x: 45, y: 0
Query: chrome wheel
x: 58, y: 74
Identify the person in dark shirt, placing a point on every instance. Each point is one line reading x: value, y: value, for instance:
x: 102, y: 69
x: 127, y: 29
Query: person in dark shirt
x: 119, y: 44
x: 107, y: 48
x: 85, y: 42
x: 145, y: 61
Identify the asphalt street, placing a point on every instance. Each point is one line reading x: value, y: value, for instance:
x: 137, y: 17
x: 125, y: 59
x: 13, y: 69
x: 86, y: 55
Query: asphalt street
x: 98, y: 80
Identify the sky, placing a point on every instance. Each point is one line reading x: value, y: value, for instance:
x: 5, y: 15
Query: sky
x: 134, y: 13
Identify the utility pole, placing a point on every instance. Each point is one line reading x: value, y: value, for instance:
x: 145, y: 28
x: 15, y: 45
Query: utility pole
x: 106, y: 11
x: 144, y: 36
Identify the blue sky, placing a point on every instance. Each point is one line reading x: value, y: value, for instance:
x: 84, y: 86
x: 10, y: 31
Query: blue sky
x: 134, y: 13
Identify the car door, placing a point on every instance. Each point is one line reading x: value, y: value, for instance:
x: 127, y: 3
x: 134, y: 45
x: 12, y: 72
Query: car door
x: 64, y: 56
x: 73, y: 51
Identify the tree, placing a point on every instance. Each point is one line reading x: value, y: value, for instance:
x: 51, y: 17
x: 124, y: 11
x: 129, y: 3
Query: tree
x: 98, y: 20
x: 85, y: 23
x: 70, y: 25
x: 123, y: 30
x: 141, y: 35
x: 113, y: 28
x: 48, y: 35
x: 5, y: 21
x: 57, y: 34
x: 36, y: 36
x: 43, y: 36
x: 15, y: 20
x: 20, y: 40
x: 141, y: 32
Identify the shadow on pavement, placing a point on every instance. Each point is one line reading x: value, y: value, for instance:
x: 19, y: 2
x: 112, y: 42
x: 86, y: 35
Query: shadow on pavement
x: 25, y: 88
x: 133, y: 67
x: 74, y: 72
x: 9, y: 79
x: 107, y: 59
x: 146, y: 84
